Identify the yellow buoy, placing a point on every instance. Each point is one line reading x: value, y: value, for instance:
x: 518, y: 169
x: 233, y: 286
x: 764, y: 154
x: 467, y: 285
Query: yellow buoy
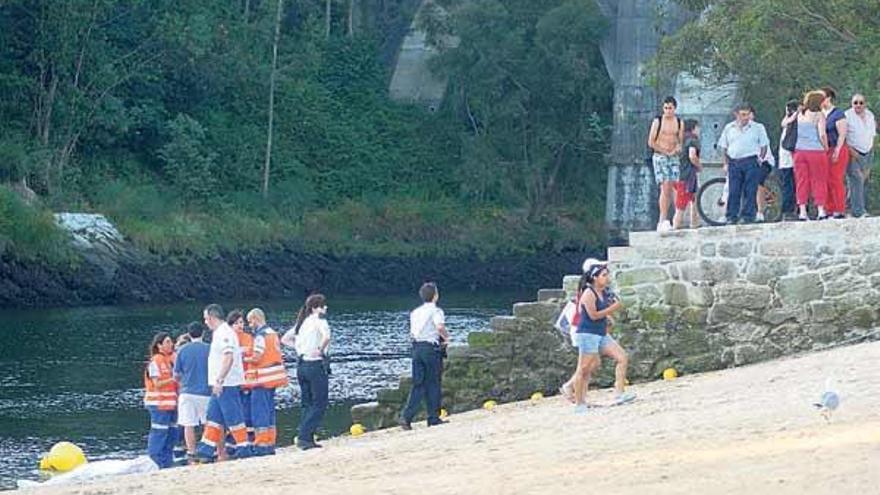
x: 64, y: 456
x: 357, y: 430
x: 537, y: 396
x: 443, y: 413
x: 670, y: 374
x: 489, y: 405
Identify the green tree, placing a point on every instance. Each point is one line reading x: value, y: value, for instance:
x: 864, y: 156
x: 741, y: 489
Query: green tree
x: 777, y: 49
x: 529, y: 82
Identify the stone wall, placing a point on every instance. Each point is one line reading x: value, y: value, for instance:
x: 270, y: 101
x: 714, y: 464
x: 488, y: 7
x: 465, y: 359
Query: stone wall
x: 716, y: 297
x: 696, y: 300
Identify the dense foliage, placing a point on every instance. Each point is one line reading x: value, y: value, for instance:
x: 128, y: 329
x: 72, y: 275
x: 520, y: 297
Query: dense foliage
x: 155, y: 113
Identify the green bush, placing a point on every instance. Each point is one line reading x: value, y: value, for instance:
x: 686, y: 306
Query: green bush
x: 30, y: 233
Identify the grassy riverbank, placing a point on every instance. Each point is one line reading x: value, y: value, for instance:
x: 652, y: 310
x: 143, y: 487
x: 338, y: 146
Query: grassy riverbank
x: 153, y: 222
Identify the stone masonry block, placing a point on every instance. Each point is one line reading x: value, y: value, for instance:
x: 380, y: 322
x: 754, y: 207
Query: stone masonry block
x: 711, y: 271
x: 787, y: 248
x: 675, y: 294
x: 869, y: 264
x: 540, y: 311
x: 550, y: 294
x: 481, y: 339
x: 800, y: 289
x: 745, y: 296
x: 761, y: 270
x: 638, y: 276
x: 735, y: 249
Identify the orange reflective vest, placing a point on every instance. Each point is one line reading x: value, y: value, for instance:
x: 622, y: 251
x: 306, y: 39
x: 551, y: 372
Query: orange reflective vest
x: 163, y: 397
x: 268, y: 371
x: 246, y: 344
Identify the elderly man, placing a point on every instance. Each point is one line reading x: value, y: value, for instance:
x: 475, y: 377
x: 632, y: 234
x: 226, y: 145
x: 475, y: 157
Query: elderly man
x: 861, y: 129
x: 743, y: 144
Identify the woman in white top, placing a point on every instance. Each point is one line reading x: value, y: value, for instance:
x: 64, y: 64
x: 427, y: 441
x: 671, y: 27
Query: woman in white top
x: 310, y: 337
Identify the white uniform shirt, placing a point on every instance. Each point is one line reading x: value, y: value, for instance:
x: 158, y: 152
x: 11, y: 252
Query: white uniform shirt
x: 425, y: 322
x: 745, y: 141
x: 860, y: 133
x: 313, y: 331
x: 224, y: 341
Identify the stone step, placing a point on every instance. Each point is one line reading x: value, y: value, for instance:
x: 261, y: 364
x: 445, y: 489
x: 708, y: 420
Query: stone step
x: 550, y: 294
x: 541, y: 311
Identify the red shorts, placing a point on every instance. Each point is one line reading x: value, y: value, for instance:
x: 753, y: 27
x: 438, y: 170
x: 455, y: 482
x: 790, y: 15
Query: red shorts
x: 682, y: 197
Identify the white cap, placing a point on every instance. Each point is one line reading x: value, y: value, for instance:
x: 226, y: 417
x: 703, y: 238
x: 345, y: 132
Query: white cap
x: 589, y: 262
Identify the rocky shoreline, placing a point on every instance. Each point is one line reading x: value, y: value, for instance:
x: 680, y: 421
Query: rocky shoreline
x: 266, y: 273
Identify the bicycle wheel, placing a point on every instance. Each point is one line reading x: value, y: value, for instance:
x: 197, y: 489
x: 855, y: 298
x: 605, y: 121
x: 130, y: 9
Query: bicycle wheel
x: 772, y: 199
x: 712, y: 201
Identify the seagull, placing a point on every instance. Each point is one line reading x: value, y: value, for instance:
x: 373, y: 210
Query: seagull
x: 828, y: 402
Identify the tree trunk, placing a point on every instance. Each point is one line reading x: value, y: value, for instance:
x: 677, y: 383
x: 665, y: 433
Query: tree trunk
x: 327, y: 18
x: 272, y: 76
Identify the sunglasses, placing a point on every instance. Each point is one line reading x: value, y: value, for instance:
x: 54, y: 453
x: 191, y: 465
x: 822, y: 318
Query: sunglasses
x: 858, y: 103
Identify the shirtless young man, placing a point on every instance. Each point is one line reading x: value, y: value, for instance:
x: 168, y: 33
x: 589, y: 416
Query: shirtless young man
x: 665, y: 138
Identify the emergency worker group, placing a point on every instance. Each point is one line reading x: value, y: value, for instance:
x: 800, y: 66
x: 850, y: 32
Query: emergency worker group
x: 227, y: 388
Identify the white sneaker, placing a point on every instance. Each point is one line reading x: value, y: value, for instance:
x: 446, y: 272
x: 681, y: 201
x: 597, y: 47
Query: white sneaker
x: 759, y: 217
x: 664, y: 226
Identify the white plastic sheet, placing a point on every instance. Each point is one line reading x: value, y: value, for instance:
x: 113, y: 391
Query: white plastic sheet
x: 97, y: 470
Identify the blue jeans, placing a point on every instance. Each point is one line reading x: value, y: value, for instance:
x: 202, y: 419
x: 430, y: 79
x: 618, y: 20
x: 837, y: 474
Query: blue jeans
x: 427, y: 366
x: 313, y: 385
x: 743, y: 177
x: 163, y: 437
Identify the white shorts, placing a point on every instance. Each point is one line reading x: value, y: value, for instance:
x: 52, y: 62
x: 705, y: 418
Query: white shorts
x: 192, y: 410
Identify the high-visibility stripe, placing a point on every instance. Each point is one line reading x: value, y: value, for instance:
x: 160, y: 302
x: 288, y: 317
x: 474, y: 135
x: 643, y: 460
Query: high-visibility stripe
x: 156, y: 426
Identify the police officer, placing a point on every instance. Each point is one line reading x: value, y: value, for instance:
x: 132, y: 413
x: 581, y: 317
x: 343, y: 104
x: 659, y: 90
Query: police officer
x: 428, y: 331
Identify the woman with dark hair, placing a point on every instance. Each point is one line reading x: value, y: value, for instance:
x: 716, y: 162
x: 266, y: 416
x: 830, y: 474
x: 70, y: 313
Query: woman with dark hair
x: 838, y: 154
x: 786, y: 159
x: 810, y: 157
x: 595, y: 305
x: 235, y: 319
x: 310, y: 337
x: 160, y: 400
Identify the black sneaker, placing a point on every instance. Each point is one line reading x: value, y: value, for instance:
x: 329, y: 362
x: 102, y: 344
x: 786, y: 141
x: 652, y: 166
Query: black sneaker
x: 404, y: 424
x: 307, y: 445
x: 438, y: 422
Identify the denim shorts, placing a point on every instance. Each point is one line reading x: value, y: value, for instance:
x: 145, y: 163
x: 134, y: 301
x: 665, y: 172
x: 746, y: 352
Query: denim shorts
x: 606, y: 341
x: 587, y: 343
x: 666, y: 168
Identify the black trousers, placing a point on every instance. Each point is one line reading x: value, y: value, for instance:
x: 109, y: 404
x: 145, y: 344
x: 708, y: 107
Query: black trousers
x: 427, y: 366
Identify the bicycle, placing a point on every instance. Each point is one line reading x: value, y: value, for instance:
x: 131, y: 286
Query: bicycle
x: 711, y: 200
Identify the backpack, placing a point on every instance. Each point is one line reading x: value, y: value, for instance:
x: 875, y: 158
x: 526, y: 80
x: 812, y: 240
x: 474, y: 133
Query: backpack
x: 649, y: 158
x: 569, y: 318
x: 790, y: 140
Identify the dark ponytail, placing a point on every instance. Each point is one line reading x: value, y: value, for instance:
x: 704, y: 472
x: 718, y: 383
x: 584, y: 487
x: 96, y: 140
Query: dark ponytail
x: 312, y: 302
x: 154, y: 345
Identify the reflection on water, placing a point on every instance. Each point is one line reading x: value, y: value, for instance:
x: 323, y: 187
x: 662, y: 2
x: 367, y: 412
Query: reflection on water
x: 76, y: 374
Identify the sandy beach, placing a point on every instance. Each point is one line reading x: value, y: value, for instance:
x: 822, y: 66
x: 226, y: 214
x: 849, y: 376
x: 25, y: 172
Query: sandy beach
x: 746, y: 430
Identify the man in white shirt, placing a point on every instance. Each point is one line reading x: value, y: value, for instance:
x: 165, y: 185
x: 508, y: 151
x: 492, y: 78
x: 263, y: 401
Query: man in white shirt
x: 225, y: 377
x: 427, y: 330
x: 861, y: 131
x: 743, y: 145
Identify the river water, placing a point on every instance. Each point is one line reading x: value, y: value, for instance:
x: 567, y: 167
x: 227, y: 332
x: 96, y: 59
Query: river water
x: 76, y: 374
